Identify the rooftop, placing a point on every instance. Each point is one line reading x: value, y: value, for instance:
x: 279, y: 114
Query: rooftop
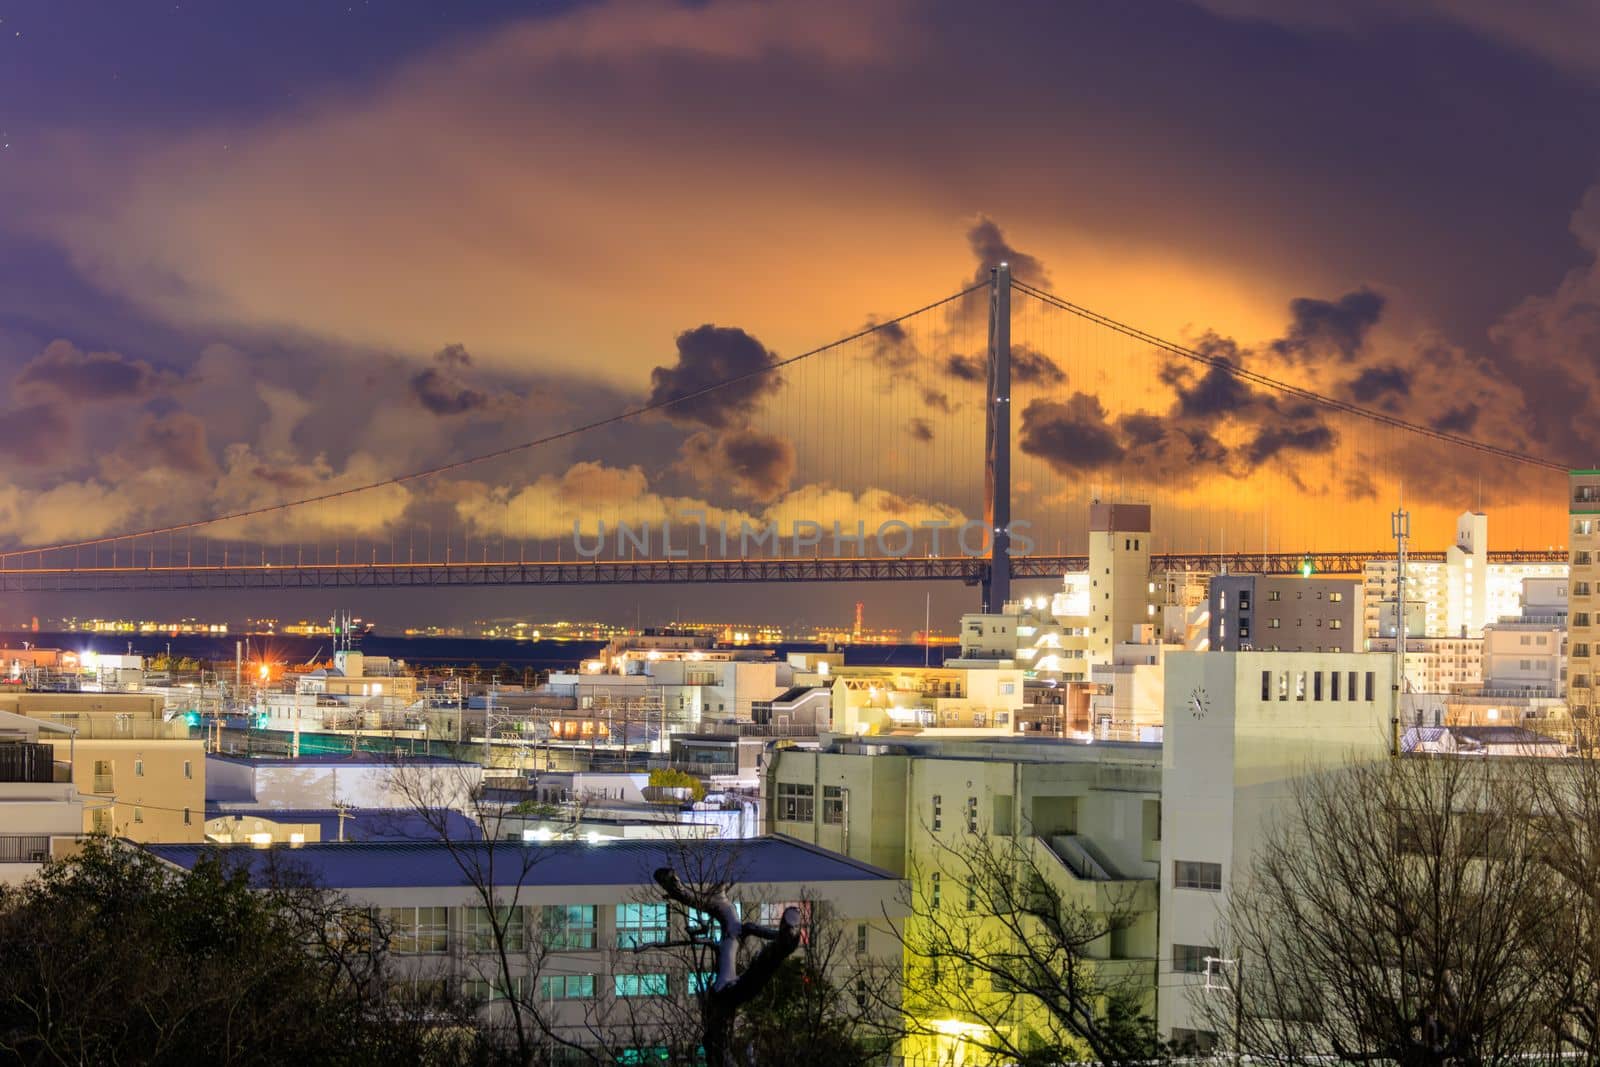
x: 361, y: 824
x: 336, y: 759
x: 371, y: 865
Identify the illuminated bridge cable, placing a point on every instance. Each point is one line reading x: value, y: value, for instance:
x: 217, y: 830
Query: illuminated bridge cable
x: 1256, y: 378
x: 574, y: 431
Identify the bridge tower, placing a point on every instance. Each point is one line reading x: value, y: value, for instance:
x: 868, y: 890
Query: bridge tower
x: 997, y: 443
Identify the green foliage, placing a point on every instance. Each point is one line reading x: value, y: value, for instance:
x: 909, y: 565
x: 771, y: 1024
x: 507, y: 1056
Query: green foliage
x: 668, y: 778
x: 112, y: 957
x: 795, y: 1021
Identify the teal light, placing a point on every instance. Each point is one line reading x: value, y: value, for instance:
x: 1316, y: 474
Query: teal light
x: 192, y: 718
x: 1307, y: 566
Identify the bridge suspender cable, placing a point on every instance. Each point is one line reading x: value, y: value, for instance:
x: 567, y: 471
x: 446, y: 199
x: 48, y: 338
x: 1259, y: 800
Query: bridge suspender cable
x: 1311, y: 395
x: 574, y: 431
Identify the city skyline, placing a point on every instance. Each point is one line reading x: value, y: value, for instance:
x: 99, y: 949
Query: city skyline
x: 186, y: 339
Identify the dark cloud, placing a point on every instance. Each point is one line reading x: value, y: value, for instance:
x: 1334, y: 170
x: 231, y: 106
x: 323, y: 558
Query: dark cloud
x: 751, y: 464
x: 178, y: 441
x: 990, y: 248
x: 1380, y: 383
x: 921, y: 429
x: 1215, y: 392
x: 1323, y: 329
x: 1070, y: 435
x: 890, y: 345
x: 936, y: 400
x: 967, y: 368
x: 707, y: 356
x: 1458, y: 420
x: 35, y: 435
x: 66, y: 369
x: 444, y: 389
x: 1272, y: 441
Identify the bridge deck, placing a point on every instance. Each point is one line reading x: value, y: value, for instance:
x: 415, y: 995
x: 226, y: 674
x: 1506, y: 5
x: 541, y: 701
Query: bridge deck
x: 14, y: 579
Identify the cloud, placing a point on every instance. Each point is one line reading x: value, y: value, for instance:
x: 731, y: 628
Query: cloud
x: 35, y: 435
x: 990, y: 248
x: 64, y: 512
x: 1330, y: 329
x: 444, y: 390
x: 751, y: 464
x: 1070, y: 435
x: 707, y: 356
x: 177, y: 441
x: 73, y: 374
x: 920, y: 429
x: 1029, y: 366
x: 1380, y: 383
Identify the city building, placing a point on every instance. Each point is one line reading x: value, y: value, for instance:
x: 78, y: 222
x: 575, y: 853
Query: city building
x: 952, y: 701
x: 1240, y: 726
x: 1437, y: 665
x: 356, y: 779
x: 1289, y: 613
x: 41, y: 809
x: 143, y: 776
x: 1455, y: 597
x: 1087, y: 815
x: 1583, y: 614
x: 594, y: 910
x: 1120, y: 591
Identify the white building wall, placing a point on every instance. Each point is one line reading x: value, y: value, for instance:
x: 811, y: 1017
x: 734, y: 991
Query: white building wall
x: 1229, y: 758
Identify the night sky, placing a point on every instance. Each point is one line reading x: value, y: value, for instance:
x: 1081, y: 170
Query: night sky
x: 251, y: 252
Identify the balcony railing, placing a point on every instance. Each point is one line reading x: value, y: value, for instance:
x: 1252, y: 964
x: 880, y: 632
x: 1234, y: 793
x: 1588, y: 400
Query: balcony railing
x: 26, y: 762
x: 18, y: 848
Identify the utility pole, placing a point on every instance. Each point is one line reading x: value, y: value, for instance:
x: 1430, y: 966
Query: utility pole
x: 997, y: 440
x: 1400, y: 526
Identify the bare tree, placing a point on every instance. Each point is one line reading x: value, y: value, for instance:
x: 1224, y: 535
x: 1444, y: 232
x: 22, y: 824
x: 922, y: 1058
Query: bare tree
x: 1400, y: 911
x: 507, y: 951
x: 1001, y: 939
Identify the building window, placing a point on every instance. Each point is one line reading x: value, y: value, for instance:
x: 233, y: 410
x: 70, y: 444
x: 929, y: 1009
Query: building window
x: 1316, y: 685
x: 833, y: 805
x: 187, y: 820
x: 933, y: 890
x: 795, y: 802
x: 1336, y: 598
x: 566, y: 986
x: 1580, y: 619
x: 1333, y: 679
x: 639, y: 985
x: 1272, y: 594
x: 102, y: 776
x: 1274, y: 623
x: 1299, y: 685
x: 700, y: 981
x: 1244, y: 601
x: 1191, y: 959
x: 1350, y: 693
x: 641, y: 924
x: 972, y: 815
x: 1369, y: 687
x: 138, y: 814
x: 568, y: 926
x: 1335, y: 624
x: 418, y: 930
x: 938, y: 812
x: 861, y: 937
x: 188, y: 768
x: 1266, y: 685
x: 1191, y: 874
x: 480, y: 929
x: 138, y: 768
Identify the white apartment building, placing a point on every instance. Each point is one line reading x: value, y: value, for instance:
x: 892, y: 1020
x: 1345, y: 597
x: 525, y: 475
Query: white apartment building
x: 1437, y: 664
x: 41, y: 809
x: 1459, y: 596
x: 1583, y: 615
x: 1239, y: 727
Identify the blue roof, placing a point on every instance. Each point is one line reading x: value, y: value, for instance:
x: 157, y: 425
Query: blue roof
x: 336, y: 759
x: 627, y: 863
x: 361, y: 824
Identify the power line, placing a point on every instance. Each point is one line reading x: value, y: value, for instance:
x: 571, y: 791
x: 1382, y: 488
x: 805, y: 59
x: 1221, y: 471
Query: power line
x: 1229, y: 367
x: 610, y: 420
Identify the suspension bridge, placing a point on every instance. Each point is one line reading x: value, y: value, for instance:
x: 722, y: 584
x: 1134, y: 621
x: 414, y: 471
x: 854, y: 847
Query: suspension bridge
x: 997, y: 413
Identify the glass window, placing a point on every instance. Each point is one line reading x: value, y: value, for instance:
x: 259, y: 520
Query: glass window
x: 833, y: 805
x: 938, y: 812
x: 566, y: 986
x: 1191, y: 874
x: 568, y: 926
x: 479, y: 989
x: 188, y: 768
x: 1266, y: 685
x: 480, y: 929
x: 1191, y: 959
x: 138, y: 768
x: 639, y: 985
x: 796, y: 802
x: 700, y: 981
x: 418, y: 930
x: 641, y: 924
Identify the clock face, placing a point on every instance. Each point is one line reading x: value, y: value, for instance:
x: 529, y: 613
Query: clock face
x: 1199, y: 703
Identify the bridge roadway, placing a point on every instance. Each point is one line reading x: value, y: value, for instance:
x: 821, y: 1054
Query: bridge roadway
x: 971, y: 570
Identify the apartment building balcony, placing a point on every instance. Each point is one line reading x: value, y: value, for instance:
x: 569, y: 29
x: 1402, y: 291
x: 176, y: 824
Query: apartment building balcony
x: 31, y: 762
